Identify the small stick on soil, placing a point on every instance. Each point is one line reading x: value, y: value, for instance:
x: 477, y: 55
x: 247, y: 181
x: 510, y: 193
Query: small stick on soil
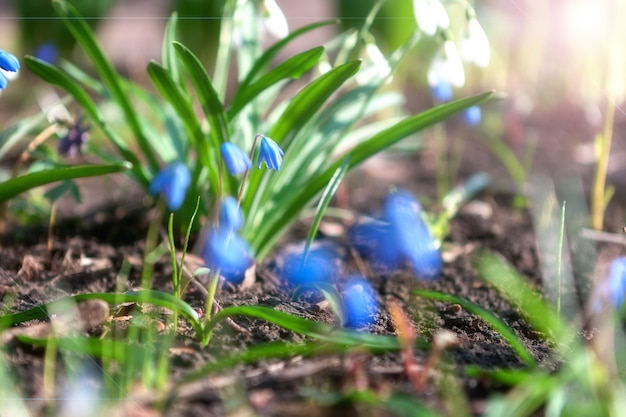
x: 407, y: 336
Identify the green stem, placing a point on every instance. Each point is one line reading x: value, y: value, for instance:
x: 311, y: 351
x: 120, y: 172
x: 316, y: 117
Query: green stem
x: 214, y: 279
x: 152, y: 240
x: 598, y: 201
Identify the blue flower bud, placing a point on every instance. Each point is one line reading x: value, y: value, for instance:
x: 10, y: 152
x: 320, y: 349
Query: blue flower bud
x: 270, y: 153
x: 227, y: 252
x: 360, y: 305
x: 171, y: 182
x: 230, y: 214
x: 235, y: 159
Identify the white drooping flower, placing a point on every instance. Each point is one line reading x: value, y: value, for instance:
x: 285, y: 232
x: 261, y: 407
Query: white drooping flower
x: 274, y: 19
x: 446, y: 67
x: 474, y: 45
x: 375, y: 66
x: 430, y: 15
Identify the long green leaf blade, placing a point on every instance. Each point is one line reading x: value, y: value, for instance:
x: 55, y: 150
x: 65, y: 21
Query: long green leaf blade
x: 85, y: 37
x: 496, y: 323
x: 209, y: 99
x: 292, y: 68
x: 17, y: 185
x: 318, y: 331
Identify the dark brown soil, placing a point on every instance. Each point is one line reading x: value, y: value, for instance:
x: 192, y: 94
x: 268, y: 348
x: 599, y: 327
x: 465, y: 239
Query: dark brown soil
x: 89, y: 258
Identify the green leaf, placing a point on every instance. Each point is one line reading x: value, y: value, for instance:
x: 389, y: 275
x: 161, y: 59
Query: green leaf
x: 85, y: 37
x: 158, y: 298
x: 168, y: 88
x: 497, y: 324
x: 288, y: 203
x: 310, y: 99
x: 54, y: 76
x: 209, y: 99
x: 292, y: 68
x: 168, y: 54
x: 319, y: 331
x: 511, y: 284
x: 264, y: 60
x: 328, y: 194
x: 15, y: 186
x: 66, y: 187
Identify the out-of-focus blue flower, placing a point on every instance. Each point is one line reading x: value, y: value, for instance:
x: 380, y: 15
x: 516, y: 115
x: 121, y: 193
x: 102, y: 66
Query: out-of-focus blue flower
x: 235, y: 159
x: 472, y: 115
x: 230, y: 214
x: 47, y: 52
x: 616, y: 284
x: 270, y: 153
x: 172, y: 183
x: 411, y: 235
x: 397, y: 238
x: 360, y: 305
x: 8, y: 63
x: 442, y: 91
x: 321, y: 265
x: 73, y: 141
x: 227, y: 252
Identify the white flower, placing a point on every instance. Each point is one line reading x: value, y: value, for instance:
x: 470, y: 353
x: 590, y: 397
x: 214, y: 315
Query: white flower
x: 274, y: 19
x: 429, y: 15
x: 446, y: 67
x: 375, y: 66
x: 474, y: 45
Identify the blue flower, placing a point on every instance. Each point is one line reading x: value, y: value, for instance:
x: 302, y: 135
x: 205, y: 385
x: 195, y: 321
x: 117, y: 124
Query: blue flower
x: 411, y: 235
x: 616, y: 284
x: 172, y: 183
x: 472, y: 115
x: 47, y: 52
x: 9, y: 63
x: 270, y: 153
x: 398, y: 238
x: 235, y: 159
x: 321, y: 265
x: 227, y: 252
x: 230, y: 214
x: 73, y: 141
x: 360, y: 305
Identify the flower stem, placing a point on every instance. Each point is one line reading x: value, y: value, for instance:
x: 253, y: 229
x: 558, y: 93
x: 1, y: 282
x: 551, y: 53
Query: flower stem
x: 245, y: 176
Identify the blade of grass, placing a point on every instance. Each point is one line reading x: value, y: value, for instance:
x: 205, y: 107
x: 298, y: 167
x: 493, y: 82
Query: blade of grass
x: 328, y: 194
x: 319, y: 331
x: 14, y: 186
x: 497, y: 324
x: 498, y: 272
x: 159, y: 298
